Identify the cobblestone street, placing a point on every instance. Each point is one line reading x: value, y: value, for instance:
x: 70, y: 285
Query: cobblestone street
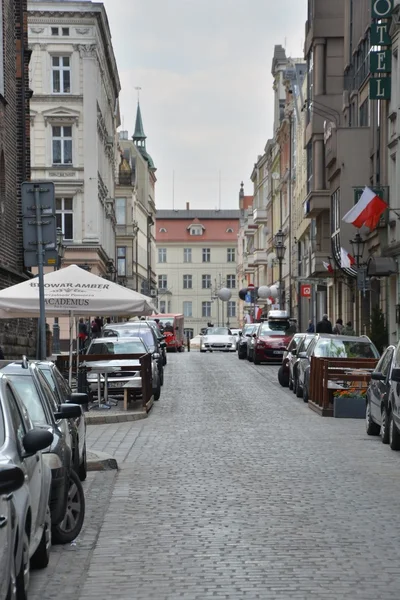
x: 233, y: 488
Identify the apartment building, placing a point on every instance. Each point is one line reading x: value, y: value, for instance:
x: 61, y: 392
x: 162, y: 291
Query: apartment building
x: 196, y: 257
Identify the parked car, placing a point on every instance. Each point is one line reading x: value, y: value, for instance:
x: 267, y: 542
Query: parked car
x: 143, y: 330
x: 24, y: 507
x: 270, y: 340
x: 67, y: 499
x: 218, y: 339
x: 330, y: 346
x: 65, y: 395
x: 161, y: 339
x: 294, y: 361
x: 236, y: 333
x: 288, y: 355
x: 378, y: 403
x: 244, y: 337
x: 123, y: 345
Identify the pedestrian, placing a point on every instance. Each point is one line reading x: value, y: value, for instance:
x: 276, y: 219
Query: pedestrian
x: 82, y: 333
x: 99, y: 322
x: 348, y: 329
x: 95, y: 329
x: 324, y: 326
x: 310, y: 328
x: 338, y: 329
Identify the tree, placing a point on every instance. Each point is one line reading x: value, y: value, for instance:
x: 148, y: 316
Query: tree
x: 379, y: 332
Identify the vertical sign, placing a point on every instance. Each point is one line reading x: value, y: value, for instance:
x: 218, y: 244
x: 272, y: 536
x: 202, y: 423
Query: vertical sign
x: 381, y: 59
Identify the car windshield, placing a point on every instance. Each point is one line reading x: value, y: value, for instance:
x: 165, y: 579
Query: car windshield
x: 128, y: 347
x: 145, y: 334
x: 166, y: 324
x: 345, y: 349
x: 274, y: 328
x: 218, y: 331
x: 28, y: 393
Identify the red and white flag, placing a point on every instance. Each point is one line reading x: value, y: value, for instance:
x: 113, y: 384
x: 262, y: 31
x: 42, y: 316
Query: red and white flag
x: 346, y: 259
x: 328, y: 266
x: 367, y: 211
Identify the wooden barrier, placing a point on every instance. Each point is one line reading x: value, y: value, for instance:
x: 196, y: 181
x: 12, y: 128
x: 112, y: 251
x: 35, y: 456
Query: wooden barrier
x: 325, y: 370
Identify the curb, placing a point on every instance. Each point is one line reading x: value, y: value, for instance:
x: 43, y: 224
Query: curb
x: 99, y: 461
x: 120, y: 417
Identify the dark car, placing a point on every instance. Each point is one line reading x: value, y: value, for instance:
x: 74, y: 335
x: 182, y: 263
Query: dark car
x: 161, y: 339
x: 246, y: 334
x: 67, y: 499
x: 294, y: 361
x: 271, y: 339
x: 325, y: 345
x: 288, y: 355
x: 378, y: 404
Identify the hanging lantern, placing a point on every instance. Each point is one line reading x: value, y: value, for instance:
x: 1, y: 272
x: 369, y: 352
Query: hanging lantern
x: 224, y: 294
x: 242, y: 293
x: 274, y: 291
x: 264, y: 292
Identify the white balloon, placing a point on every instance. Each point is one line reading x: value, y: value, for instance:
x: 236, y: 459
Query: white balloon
x: 224, y: 294
x: 274, y: 291
x: 264, y: 291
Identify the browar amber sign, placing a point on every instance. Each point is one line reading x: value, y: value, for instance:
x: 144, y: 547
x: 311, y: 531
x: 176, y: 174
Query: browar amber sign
x: 380, y: 65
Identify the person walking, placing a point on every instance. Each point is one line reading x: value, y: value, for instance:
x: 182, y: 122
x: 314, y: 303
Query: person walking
x: 348, y: 329
x: 82, y: 333
x: 310, y: 328
x: 324, y: 326
x: 338, y: 327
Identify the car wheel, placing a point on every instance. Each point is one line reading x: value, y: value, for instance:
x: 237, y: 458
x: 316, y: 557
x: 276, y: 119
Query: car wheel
x: 290, y: 383
x: 23, y: 574
x: 70, y: 527
x: 394, y: 435
x: 241, y: 356
x: 371, y: 427
x: 305, y: 392
x: 249, y: 357
x: 157, y: 391
x: 164, y: 360
x: 299, y: 389
x: 256, y: 360
x: 202, y: 350
x: 40, y: 559
x: 282, y: 378
x: 12, y: 586
x: 82, y: 471
x: 162, y: 377
x: 385, y: 420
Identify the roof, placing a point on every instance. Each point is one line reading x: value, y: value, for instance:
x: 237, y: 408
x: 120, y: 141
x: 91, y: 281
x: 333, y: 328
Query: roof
x: 247, y: 202
x: 139, y: 130
x: 199, y: 214
x: 214, y: 230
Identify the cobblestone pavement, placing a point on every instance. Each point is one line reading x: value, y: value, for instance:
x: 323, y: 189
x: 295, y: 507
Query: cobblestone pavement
x: 233, y: 488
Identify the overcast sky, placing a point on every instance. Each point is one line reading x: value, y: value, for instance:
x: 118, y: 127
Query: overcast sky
x: 204, y: 67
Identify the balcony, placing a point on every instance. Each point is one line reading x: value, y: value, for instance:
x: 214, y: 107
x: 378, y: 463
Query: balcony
x: 250, y: 228
x: 248, y: 263
x: 260, y: 216
x: 260, y: 257
x: 316, y: 202
x: 316, y: 263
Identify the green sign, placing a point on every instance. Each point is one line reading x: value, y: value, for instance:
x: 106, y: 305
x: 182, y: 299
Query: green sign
x: 359, y: 190
x: 380, y: 34
x: 380, y: 61
x: 379, y: 89
x: 381, y: 9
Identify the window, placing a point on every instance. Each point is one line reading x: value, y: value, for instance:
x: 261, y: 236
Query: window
x: 163, y: 306
x: 65, y: 217
x: 206, y: 282
x: 162, y: 282
x: 231, y: 254
x: 17, y: 419
x: 61, y: 74
x: 364, y: 114
x: 162, y: 255
x: 196, y: 230
x: 231, y: 308
x: 62, y: 145
x: 229, y: 230
x: 187, y: 309
x: 206, y: 309
x: 231, y: 281
x: 65, y: 31
x: 187, y: 282
x: 309, y: 168
x: 162, y: 230
x: 55, y: 31
x: 310, y: 84
x: 206, y: 255
x: 121, y: 261
x: 187, y: 255
x: 120, y: 211
x: 1, y: 52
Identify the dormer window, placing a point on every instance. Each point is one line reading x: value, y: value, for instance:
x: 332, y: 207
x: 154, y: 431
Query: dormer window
x: 196, y: 229
x: 162, y: 230
x: 229, y: 230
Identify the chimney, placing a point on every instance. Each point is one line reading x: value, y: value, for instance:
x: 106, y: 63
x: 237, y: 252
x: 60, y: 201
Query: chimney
x: 187, y: 206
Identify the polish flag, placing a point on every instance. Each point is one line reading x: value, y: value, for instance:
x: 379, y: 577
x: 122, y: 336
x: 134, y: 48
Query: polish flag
x: 328, y: 267
x: 367, y: 211
x: 346, y: 259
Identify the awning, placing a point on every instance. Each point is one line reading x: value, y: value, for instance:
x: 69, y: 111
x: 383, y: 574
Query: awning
x: 381, y: 266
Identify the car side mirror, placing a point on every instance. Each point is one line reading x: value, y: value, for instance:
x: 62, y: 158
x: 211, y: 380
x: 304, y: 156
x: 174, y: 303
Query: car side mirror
x: 396, y: 375
x: 254, y: 335
x: 163, y: 344
x: 240, y: 334
x: 79, y: 398
x: 37, y: 439
x: 68, y: 411
x: 302, y: 355
x: 11, y: 479
x: 294, y: 351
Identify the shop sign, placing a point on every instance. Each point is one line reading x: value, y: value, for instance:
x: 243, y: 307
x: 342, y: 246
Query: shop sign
x: 381, y: 59
x: 382, y: 9
x: 305, y: 291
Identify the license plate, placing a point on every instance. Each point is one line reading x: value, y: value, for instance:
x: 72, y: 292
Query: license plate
x: 116, y: 384
x: 277, y: 352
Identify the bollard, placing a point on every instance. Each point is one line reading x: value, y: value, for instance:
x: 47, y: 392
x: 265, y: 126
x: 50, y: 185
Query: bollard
x: 188, y: 341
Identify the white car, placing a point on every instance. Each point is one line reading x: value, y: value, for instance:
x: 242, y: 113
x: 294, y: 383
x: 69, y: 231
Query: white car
x: 218, y: 338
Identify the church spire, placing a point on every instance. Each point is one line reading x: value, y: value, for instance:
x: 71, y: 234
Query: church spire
x: 139, y: 136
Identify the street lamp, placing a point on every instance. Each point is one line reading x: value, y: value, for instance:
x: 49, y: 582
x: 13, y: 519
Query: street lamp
x: 280, y: 249
x: 60, y: 255
x: 358, y: 245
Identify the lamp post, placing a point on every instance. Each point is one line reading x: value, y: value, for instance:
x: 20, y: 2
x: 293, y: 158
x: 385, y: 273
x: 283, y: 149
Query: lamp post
x: 358, y: 245
x: 280, y: 249
x: 60, y: 255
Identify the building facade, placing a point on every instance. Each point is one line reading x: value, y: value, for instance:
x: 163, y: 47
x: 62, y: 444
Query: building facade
x: 74, y: 120
x: 17, y: 336
x: 196, y: 257
x: 135, y: 213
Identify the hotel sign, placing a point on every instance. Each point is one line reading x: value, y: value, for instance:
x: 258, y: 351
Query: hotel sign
x: 381, y: 58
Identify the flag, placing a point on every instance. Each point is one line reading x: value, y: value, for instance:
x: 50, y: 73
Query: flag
x: 328, y: 267
x: 346, y: 259
x: 367, y: 211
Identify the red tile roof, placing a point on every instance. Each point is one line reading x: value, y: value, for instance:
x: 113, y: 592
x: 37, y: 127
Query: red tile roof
x: 215, y: 230
x: 247, y: 201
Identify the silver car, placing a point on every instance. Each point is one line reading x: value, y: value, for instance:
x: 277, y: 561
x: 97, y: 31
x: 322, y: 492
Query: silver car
x: 20, y: 446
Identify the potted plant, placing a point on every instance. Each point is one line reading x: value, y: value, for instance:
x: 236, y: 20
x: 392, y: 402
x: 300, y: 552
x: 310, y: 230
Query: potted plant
x: 349, y: 403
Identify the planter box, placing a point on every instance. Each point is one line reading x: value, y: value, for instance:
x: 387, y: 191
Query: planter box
x: 349, y: 408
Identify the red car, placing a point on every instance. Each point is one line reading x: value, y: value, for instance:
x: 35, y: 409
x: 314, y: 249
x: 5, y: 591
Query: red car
x: 271, y: 340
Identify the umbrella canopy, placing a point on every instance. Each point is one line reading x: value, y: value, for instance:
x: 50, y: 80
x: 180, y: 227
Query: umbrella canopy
x: 72, y: 290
